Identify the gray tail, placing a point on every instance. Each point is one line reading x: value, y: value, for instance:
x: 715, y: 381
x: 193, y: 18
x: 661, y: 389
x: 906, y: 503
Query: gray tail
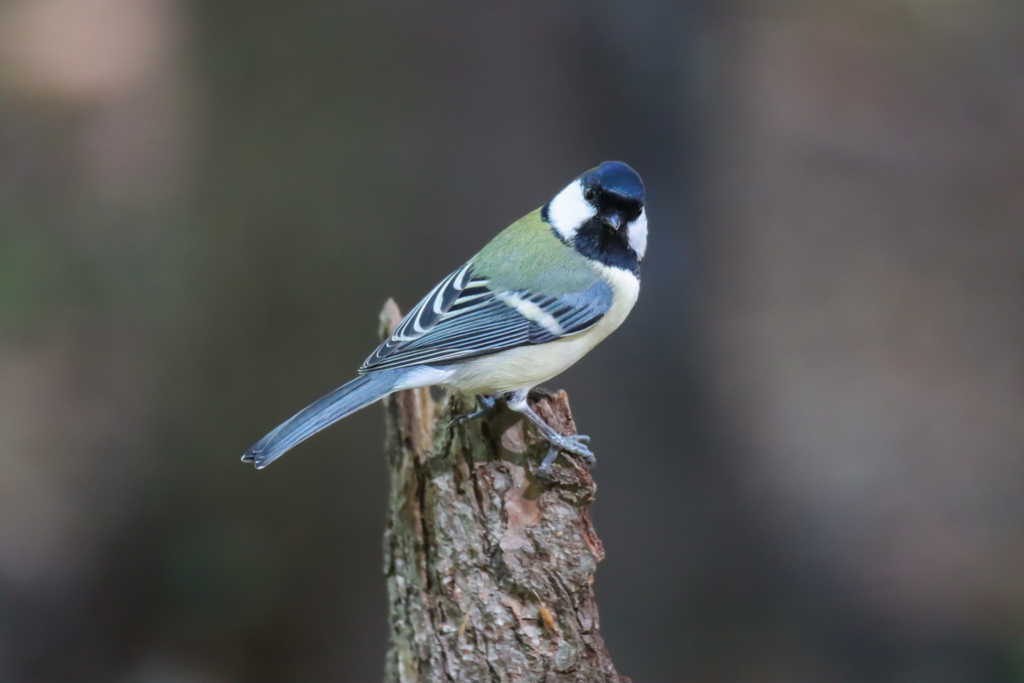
x: 343, y: 401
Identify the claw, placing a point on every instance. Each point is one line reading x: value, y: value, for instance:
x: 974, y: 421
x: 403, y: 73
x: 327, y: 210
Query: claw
x: 572, y: 444
x: 468, y: 417
x: 544, y: 470
x: 575, y: 444
x: 545, y: 474
x: 485, y: 403
x: 589, y: 461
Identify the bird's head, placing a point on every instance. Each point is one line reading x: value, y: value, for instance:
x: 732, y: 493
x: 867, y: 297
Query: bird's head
x: 602, y: 214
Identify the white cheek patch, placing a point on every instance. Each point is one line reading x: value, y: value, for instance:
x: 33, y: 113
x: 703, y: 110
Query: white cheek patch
x: 569, y: 210
x: 637, y: 234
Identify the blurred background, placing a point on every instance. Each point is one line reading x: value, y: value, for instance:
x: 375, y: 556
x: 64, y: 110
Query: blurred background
x: 809, y: 432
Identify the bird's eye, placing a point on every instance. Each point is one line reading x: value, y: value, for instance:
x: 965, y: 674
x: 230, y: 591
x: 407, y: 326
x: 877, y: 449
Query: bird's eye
x: 589, y: 194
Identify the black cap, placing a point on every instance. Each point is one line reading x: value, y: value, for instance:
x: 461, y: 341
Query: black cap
x: 617, y: 179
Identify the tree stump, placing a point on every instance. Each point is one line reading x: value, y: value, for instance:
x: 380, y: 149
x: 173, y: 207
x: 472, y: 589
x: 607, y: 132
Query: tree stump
x: 489, y: 569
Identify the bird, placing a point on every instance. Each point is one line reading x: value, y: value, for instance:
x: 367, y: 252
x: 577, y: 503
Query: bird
x: 532, y: 302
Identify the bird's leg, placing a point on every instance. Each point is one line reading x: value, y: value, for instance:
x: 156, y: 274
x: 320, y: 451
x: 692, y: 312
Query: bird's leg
x: 575, y: 444
x: 485, y: 404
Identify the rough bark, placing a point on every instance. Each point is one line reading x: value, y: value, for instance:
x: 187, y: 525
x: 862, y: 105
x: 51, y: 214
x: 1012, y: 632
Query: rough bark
x: 489, y: 570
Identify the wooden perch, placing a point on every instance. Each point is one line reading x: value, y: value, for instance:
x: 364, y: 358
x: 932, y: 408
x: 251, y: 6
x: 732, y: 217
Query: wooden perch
x: 489, y: 570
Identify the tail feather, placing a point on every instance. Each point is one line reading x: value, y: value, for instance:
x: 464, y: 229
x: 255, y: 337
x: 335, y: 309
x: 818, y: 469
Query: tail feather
x: 340, y: 403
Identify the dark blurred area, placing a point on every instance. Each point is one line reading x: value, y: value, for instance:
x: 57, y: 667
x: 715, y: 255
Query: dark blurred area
x: 809, y: 432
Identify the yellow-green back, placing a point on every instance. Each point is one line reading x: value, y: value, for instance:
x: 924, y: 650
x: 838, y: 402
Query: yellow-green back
x: 528, y: 255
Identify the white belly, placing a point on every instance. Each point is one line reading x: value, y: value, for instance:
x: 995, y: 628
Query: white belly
x: 527, y: 366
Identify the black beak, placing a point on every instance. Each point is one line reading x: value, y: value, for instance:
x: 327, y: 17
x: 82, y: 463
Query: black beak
x: 613, y: 220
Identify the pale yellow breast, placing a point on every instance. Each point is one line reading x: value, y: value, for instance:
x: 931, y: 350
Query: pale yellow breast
x: 527, y: 366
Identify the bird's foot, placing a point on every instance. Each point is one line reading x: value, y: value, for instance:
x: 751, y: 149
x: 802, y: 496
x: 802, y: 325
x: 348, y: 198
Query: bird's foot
x: 485, y: 404
x: 574, y: 444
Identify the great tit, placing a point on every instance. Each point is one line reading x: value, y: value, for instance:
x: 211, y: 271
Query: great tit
x: 531, y: 303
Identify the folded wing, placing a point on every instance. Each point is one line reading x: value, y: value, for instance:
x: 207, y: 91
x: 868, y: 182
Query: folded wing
x: 464, y: 318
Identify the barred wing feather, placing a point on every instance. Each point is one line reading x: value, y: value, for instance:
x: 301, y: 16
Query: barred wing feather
x: 463, y: 318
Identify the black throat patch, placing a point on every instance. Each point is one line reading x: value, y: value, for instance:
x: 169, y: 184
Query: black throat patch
x: 597, y: 241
